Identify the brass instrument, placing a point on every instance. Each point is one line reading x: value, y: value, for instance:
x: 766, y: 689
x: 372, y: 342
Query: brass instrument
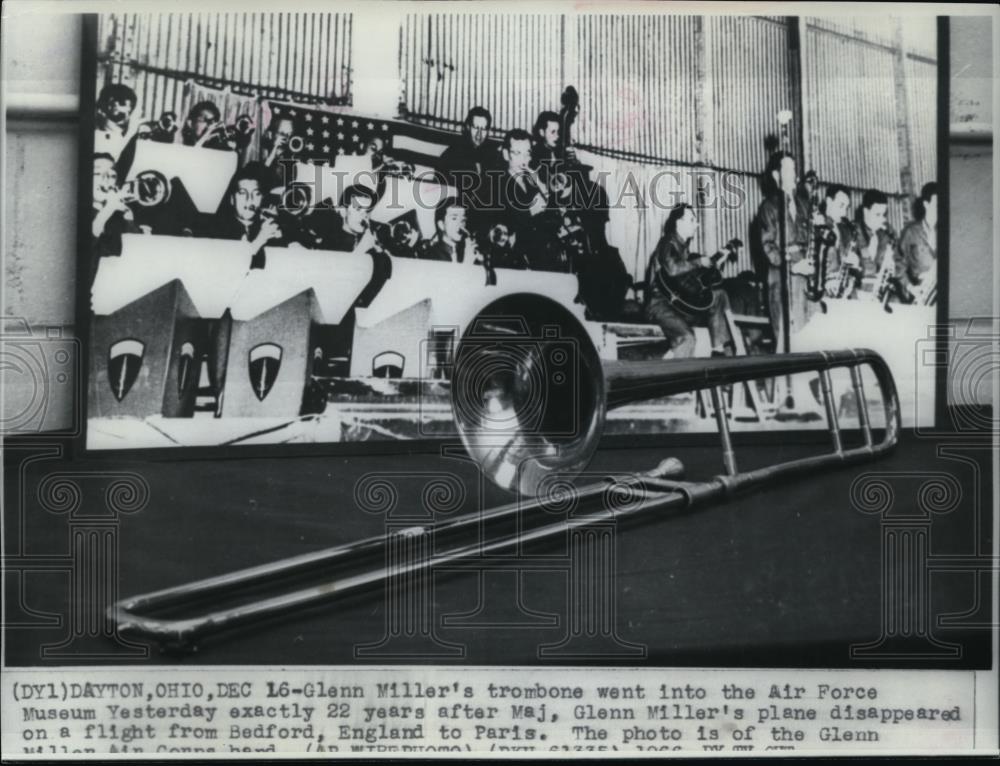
x: 240, y: 130
x: 848, y: 276
x: 296, y: 144
x: 148, y: 189
x: 512, y: 407
x: 885, y: 280
x: 161, y: 130
x: 398, y: 238
x: 821, y: 237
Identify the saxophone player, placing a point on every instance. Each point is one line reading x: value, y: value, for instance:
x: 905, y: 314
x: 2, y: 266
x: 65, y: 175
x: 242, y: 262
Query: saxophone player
x: 843, y: 264
x: 916, y: 257
x: 876, y: 241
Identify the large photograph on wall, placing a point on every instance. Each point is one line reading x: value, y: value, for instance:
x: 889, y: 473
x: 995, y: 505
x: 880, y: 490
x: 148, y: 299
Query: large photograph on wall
x: 298, y: 239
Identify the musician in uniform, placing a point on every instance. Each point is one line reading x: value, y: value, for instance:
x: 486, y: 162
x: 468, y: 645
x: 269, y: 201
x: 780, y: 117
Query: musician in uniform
x: 522, y: 202
x: 452, y: 242
x: 843, y: 267
x: 474, y: 153
x: 349, y: 228
x: 672, y: 259
x: 277, y: 149
x: 875, y: 239
x: 203, y: 127
x: 110, y: 216
x: 547, y: 154
x: 781, y: 177
x: 242, y: 213
x: 116, y: 124
x: 916, y: 256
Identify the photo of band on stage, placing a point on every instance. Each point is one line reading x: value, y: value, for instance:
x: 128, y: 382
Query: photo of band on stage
x: 278, y: 175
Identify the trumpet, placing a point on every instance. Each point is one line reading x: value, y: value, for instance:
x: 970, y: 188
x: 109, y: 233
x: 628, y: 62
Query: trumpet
x: 296, y: 144
x: 148, y: 189
x: 163, y: 128
x: 241, y: 129
x: 398, y: 238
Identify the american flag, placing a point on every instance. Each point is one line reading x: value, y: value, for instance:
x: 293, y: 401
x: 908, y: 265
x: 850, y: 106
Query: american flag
x: 327, y: 135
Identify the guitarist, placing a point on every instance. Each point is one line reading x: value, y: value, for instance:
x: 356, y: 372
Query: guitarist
x: 669, y: 262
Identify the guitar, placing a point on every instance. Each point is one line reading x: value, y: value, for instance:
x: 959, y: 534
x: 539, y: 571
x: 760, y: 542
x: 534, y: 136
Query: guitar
x: 691, y: 292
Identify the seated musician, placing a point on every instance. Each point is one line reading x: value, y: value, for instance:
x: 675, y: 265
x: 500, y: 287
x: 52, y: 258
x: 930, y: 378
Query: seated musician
x: 241, y: 215
x: 843, y: 265
x: 277, y: 149
x: 111, y: 216
x: 203, y: 127
x: 117, y: 123
x: 916, y: 257
x: 452, y: 242
x: 669, y: 262
x: 875, y: 239
x: 348, y: 227
x: 522, y: 204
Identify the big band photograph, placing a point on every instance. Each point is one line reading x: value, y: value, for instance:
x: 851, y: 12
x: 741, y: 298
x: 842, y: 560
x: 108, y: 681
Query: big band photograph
x: 286, y: 249
x: 427, y: 333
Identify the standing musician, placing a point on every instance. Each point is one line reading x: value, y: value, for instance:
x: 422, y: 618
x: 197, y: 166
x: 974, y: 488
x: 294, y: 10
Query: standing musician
x: 673, y: 258
x: 781, y: 177
x: 876, y: 241
x: 916, y: 257
x: 474, y: 152
x: 547, y: 152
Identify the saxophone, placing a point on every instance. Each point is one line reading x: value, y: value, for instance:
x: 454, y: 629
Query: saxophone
x: 822, y: 237
x: 849, y: 276
x: 886, y: 279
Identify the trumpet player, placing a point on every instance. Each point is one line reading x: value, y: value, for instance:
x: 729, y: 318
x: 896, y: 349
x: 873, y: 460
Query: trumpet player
x: 242, y: 214
x: 349, y: 227
x: 111, y: 216
x: 201, y: 126
x: 916, y: 257
x: 116, y: 123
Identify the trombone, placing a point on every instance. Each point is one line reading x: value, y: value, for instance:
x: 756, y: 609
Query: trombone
x: 528, y: 442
